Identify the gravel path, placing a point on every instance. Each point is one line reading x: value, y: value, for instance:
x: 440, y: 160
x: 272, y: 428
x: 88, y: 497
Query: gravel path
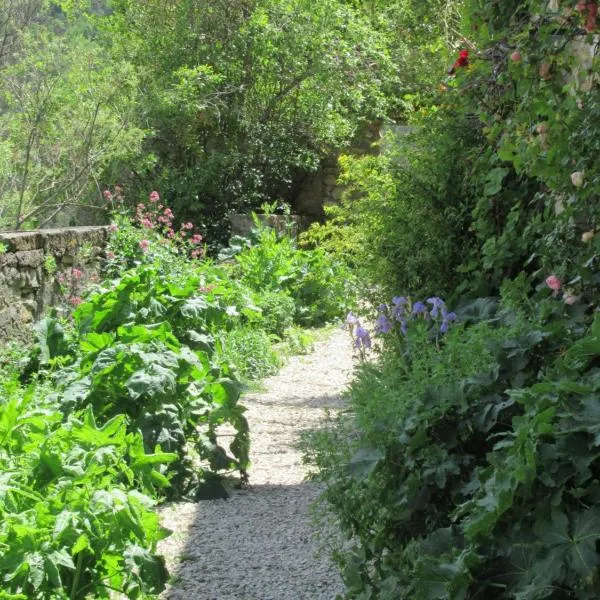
x: 259, y: 545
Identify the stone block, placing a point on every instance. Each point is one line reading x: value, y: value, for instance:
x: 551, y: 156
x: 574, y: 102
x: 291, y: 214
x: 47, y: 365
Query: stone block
x: 30, y: 259
x: 18, y: 241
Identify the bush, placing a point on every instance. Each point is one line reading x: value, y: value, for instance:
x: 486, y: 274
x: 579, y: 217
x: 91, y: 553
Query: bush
x: 278, y: 310
x: 318, y: 284
x: 252, y: 353
x: 71, y: 526
x: 467, y: 468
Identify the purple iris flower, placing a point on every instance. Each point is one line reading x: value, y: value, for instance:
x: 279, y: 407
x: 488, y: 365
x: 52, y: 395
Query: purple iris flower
x: 351, y: 319
x: 362, y: 338
x: 449, y: 317
x: 403, y: 327
x: 383, y: 324
x: 419, y: 308
x: 437, y: 305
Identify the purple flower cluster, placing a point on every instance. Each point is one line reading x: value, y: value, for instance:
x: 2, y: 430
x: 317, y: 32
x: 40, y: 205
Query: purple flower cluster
x: 398, y: 315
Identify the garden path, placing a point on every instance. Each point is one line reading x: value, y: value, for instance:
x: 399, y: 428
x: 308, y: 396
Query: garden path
x: 260, y: 544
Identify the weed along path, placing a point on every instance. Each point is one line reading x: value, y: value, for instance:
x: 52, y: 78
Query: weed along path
x: 259, y: 544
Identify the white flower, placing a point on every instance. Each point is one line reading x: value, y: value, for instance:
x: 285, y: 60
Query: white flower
x: 577, y: 178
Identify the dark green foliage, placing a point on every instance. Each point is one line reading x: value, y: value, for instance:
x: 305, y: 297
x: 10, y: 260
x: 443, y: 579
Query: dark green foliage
x: 472, y: 469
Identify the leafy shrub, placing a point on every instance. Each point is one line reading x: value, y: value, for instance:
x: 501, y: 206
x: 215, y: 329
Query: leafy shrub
x: 70, y: 524
x: 252, y: 353
x: 278, y: 310
x: 316, y: 282
x: 459, y: 472
x: 145, y: 348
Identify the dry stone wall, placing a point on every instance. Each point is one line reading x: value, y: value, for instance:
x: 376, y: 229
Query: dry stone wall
x: 29, y: 264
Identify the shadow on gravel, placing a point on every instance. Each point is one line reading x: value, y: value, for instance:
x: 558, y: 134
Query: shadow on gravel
x: 332, y: 401
x: 257, y: 545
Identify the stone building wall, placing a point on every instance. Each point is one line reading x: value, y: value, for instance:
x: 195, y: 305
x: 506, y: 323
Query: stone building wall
x: 30, y: 262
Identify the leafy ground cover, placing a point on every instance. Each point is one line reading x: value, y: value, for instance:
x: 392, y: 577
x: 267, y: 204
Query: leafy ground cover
x: 121, y: 401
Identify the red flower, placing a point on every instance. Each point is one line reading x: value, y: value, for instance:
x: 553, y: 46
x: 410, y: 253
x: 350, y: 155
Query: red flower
x: 461, y: 61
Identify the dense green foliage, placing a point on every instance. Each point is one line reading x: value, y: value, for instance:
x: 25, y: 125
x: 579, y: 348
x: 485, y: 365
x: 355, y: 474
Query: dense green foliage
x: 76, y: 500
x: 467, y: 466
x: 222, y: 105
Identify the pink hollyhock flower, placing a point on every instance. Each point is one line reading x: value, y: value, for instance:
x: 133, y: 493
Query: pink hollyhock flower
x: 144, y: 245
x: 154, y: 197
x: 553, y: 283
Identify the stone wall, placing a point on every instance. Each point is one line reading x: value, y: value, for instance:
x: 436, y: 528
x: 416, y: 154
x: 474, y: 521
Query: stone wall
x: 30, y: 262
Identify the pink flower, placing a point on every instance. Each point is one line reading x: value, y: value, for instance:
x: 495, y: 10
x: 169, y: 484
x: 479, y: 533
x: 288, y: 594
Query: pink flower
x: 77, y: 273
x: 141, y: 206
x: 168, y: 212
x: 570, y: 299
x: 553, y: 283
x: 75, y: 300
x: 196, y: 253
x: 144, y: 245
x: 107, y: 195
x: 170, y: 233
x: 196, y: 238
x: 147, y: 223
x: 515, y: 56
x: 154, y: 197
x: 113, y: 227
x: 188, y: 226
x: 110, y: 254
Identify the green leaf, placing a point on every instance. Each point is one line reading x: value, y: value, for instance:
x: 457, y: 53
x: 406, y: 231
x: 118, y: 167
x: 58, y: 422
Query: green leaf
x: 494, y: 181
x: 364, y: 462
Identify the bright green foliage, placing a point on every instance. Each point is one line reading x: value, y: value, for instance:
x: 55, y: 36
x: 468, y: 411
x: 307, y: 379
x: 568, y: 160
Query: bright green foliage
x: 71, y: 526
x: 251, y: 351
x: 66, y: 118
x: 317, y: 283
x: 145, y: 348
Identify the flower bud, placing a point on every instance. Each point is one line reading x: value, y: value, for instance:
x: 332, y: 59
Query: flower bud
x: 516, y: 56
x: 577, y: 178
x: 587, y: 236
x: 554, y: 283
